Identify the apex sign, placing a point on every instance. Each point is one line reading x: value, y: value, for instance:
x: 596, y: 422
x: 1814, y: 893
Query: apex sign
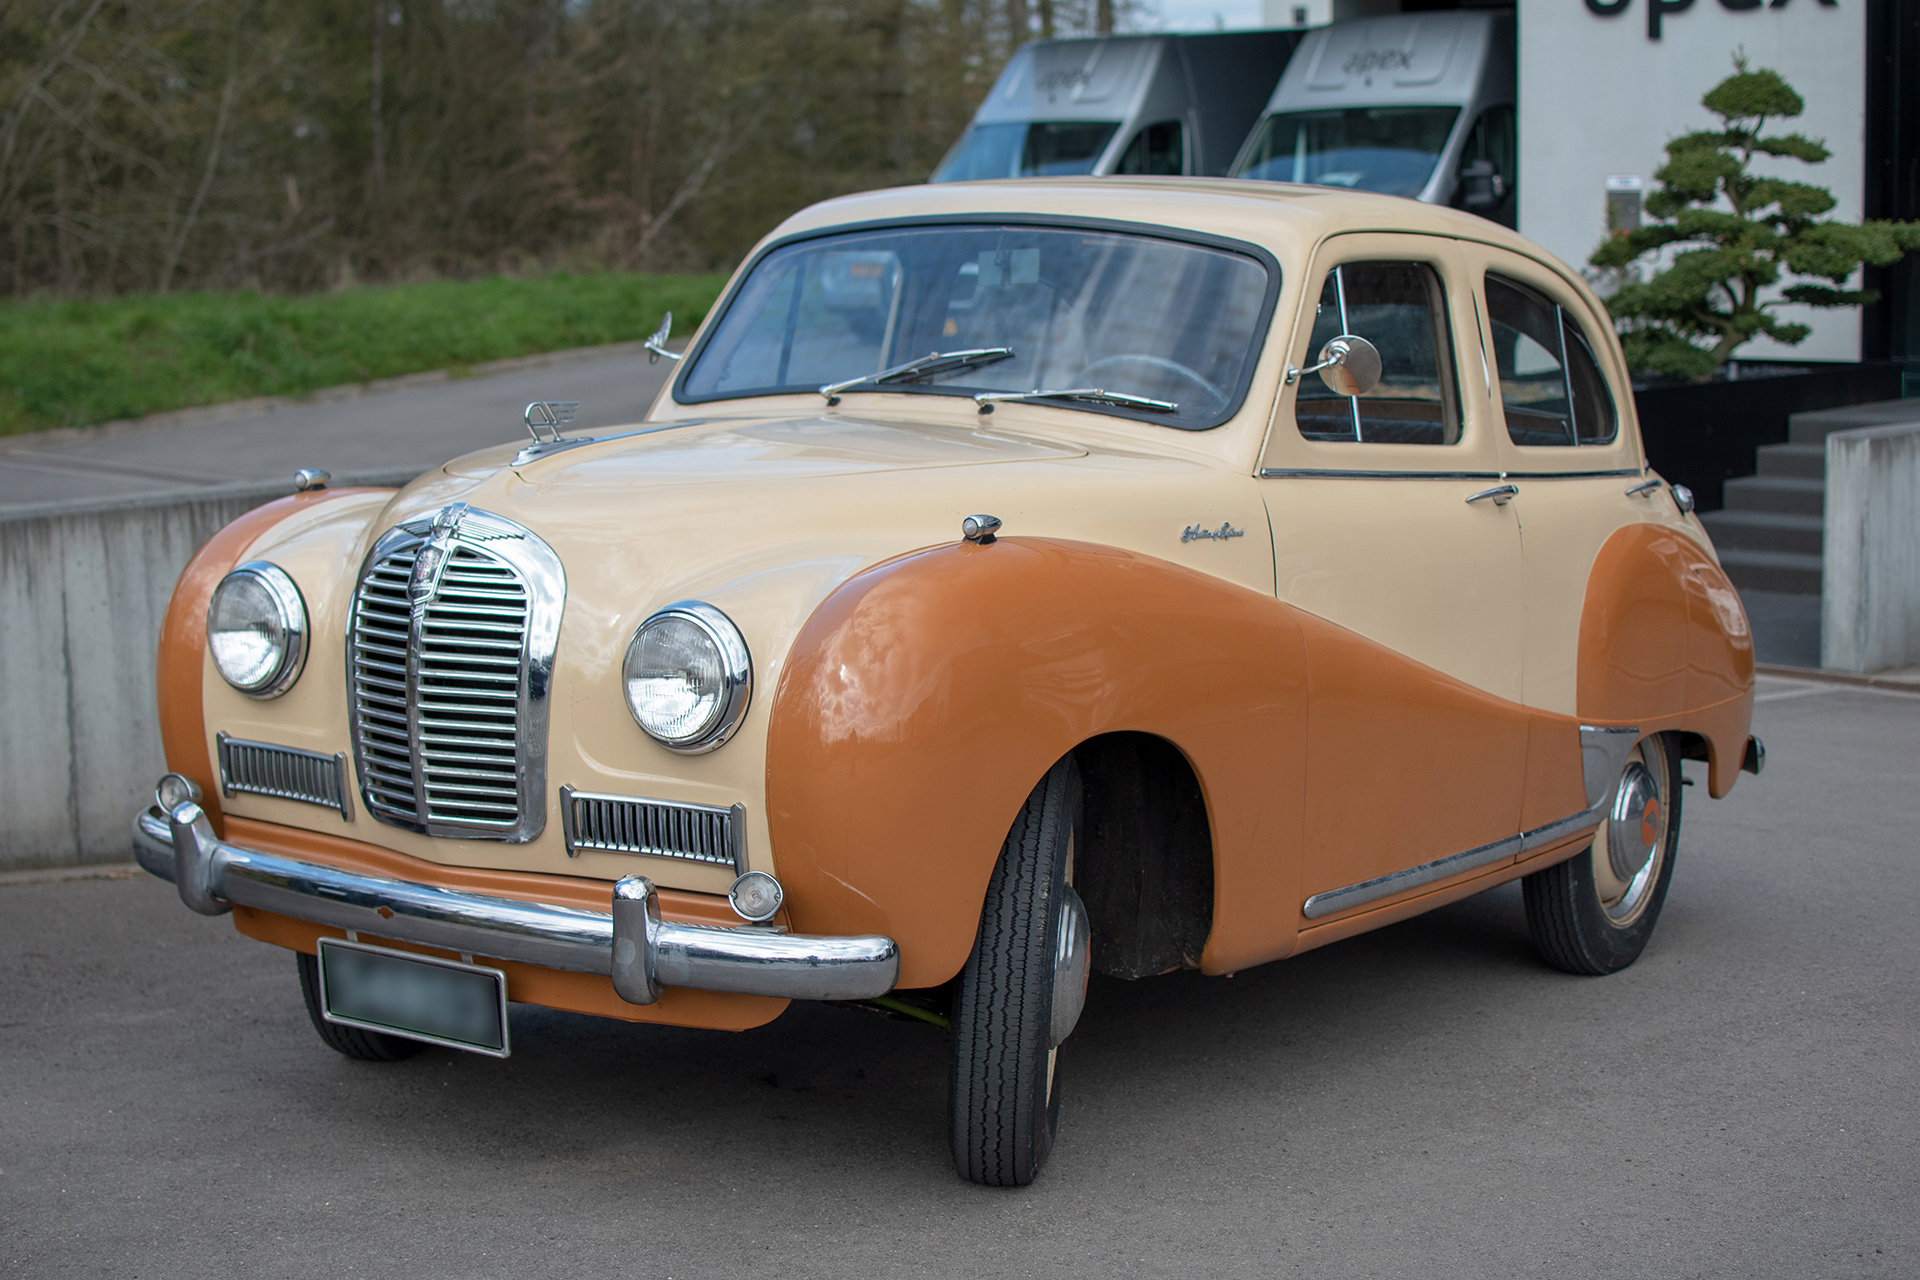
x: 1659, y: 9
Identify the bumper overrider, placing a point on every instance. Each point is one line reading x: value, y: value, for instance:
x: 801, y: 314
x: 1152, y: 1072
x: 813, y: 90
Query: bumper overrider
x: 629, y: 943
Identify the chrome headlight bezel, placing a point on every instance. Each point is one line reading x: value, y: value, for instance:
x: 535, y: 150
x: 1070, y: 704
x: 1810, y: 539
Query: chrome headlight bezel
x: 291, y: 610
x: 736, y: 666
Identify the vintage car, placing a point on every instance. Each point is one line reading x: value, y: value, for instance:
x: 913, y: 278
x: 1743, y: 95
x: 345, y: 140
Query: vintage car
x: 1016, y: 580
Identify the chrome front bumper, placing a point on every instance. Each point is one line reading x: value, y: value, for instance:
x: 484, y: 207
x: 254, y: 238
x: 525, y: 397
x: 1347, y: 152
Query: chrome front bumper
x: 630, y: 943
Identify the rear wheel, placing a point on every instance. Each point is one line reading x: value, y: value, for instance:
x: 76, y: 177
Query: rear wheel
x: 1594, y: 913
x: 1003, y: 1101
x: 364, y: 1046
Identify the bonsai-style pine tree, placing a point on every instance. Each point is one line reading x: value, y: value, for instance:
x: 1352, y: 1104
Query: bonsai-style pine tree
x: 1741, y: 233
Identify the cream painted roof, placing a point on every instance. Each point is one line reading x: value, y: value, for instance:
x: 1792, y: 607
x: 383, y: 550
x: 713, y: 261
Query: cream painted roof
x: 1279, y: 216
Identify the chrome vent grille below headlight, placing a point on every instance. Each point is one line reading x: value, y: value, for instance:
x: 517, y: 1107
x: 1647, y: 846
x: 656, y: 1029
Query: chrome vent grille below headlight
x: 660, y: 828
x: 454, y: 625
x: 285, y: 773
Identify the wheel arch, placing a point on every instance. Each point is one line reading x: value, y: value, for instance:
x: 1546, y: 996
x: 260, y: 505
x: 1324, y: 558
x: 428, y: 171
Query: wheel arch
x: 1665, y: 645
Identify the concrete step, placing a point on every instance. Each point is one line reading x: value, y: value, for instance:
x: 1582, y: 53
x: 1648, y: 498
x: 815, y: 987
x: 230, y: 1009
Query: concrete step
x: 1793, y: 461
x: 1788, y: 572
x: 1779, y: 494
x: 1764, y: 531
x: 1815, y: 425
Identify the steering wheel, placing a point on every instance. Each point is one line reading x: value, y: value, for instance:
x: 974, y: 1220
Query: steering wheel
x: 1158, y: 363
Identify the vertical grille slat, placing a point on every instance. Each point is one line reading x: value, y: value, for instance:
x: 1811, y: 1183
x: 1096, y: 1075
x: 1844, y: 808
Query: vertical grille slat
x: 448, y: 715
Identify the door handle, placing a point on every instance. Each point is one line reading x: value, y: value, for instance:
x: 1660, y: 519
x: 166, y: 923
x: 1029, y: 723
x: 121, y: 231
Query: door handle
x: 1501, y: 494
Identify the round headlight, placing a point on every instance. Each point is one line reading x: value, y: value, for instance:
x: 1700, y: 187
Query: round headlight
x: 688, y: 676
x: 257, y: 629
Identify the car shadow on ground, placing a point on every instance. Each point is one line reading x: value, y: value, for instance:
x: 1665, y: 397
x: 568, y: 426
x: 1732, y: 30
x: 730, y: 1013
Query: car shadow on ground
x: 853, y: 1090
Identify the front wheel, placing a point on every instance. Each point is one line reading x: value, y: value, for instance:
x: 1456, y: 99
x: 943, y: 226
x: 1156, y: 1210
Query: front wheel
x: 1594, y: 913
x: 1019, y: 995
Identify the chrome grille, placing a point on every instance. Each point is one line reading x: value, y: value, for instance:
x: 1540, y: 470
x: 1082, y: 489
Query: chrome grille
x: 263, y: 769
x: 627, y: 824
x: 454, y: 626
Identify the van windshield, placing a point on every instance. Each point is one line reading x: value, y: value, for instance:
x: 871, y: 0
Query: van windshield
x: 1007, y: 309
x: 1023, y: 149
x: 1391, y: 150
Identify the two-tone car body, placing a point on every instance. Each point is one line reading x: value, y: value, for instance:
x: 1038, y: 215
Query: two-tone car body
x: 998, y: 591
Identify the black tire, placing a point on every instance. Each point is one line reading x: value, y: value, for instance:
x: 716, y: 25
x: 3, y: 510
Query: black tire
x: 1003, y: 1099
x: 362, y: 1046
x: 1586, y: 918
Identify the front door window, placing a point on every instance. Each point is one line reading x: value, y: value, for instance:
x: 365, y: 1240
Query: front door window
x: 1401, y: 309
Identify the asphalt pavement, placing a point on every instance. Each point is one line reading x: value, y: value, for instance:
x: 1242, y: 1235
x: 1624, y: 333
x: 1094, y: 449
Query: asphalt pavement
x: 418, y: 421
x: 1427, y: 1100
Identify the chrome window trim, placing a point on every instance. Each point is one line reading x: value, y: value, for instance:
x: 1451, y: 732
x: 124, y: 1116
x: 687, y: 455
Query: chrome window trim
x: 293, y: 616
x: 342, y: 800
x: 1331, y: 473
x: 546, y: 584
x: 726, y: 637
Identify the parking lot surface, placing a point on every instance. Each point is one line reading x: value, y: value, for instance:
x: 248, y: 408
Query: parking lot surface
x: 1428, y: 1100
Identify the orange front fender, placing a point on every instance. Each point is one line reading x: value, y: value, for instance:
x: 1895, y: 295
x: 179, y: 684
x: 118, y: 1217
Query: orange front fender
x: 926, y: 696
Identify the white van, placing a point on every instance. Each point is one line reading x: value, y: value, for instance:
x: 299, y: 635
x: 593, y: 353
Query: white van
x: 1417, y: 104
x: 1167, y: 104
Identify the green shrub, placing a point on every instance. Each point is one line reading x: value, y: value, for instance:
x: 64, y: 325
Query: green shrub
x: 1740, y: 232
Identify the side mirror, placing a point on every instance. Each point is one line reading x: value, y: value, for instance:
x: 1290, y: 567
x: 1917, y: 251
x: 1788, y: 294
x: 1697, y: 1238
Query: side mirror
x: 1349, y: 365
x: 1481, y: 185
x: 657, y: 344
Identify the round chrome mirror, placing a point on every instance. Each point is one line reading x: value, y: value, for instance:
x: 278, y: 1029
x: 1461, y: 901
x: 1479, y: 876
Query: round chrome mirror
x: 1350, y: 365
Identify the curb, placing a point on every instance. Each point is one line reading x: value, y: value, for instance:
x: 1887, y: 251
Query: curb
x: 54, y: 875
x: 1902, y: 685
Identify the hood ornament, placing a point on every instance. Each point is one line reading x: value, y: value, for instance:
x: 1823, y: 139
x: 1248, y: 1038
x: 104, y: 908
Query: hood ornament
x: 549, y: 416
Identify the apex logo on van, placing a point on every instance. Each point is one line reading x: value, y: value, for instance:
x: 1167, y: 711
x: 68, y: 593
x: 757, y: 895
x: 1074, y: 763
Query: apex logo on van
x: 1367, y: 61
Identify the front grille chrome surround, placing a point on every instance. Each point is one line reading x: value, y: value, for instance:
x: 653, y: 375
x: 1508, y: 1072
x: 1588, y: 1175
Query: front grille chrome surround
x: 657, y: 828
x: 450, y: 652
x: 285, y: 773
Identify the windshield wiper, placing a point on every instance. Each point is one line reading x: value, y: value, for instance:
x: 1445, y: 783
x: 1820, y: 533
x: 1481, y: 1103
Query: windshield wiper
x: 932, y: 365
x: 1088, y: 395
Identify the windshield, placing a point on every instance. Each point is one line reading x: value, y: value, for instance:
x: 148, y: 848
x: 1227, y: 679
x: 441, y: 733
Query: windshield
x: 1387, y: 149
x: 1136, y: 315
x: 1024, y: 150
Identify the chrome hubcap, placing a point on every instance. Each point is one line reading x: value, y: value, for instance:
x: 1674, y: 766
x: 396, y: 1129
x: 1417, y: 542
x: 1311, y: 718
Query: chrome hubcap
x: 1634, y: 826
x: 1630, y: 848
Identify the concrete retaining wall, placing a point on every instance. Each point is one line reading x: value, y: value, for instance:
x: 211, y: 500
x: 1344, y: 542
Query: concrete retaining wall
x: 1870, y: 594
x: 83, y: 588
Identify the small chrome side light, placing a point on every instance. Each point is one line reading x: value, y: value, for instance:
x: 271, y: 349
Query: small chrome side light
x: 756, y: 897
x: 307, y: 479
x: 175, y: 790
x: 1682, y: 498
x: 980, y: 529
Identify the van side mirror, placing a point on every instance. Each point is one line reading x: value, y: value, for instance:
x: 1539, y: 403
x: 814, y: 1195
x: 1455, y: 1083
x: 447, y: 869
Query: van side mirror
x: 1349, y: 365
x: 1482, y: 185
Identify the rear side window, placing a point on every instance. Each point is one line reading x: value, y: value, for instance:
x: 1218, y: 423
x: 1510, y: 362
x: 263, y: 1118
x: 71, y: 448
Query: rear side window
x: 1400, y: 308
x: 1551, y: 388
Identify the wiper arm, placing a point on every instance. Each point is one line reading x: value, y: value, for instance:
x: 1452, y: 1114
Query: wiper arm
x: 932, y: 365
x: 1087, y: 395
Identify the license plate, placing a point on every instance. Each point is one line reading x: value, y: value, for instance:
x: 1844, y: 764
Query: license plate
x: 463, y: 1006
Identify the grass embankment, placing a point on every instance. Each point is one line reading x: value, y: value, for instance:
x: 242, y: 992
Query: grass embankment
x: 66, y: 364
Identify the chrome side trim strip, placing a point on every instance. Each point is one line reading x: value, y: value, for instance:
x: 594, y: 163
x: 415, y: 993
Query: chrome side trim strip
x: 1321, y: 904
x: 213, y: 876
x: 1304, y: 473
x: 1603, y: 753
